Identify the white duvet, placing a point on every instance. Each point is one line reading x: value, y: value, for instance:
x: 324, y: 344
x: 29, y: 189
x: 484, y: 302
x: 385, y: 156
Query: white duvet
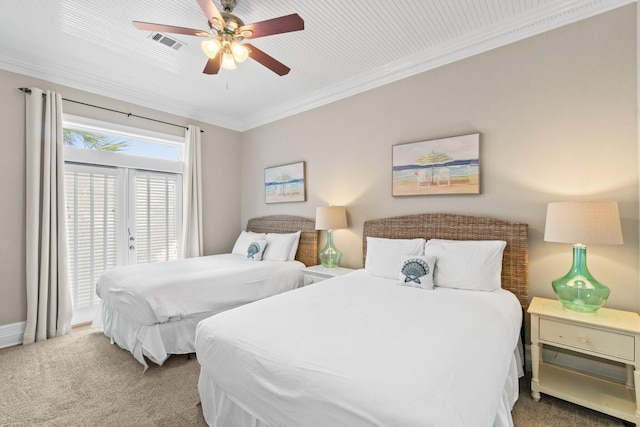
x: 359, y: 350
x: 160, y: 292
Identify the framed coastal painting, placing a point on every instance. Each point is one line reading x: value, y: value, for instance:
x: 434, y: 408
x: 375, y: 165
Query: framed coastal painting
x: 285, y: 183
x: 437, y: 166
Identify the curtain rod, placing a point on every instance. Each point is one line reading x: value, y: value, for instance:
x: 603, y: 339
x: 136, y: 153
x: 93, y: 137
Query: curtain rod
x: 27, y: 90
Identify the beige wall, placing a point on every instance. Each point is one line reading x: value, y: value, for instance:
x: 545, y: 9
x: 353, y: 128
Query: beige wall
x: 220, y: 157
x: 557, y: 117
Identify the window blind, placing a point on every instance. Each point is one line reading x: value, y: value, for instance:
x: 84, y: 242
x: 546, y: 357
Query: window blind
x: 156, y: 216
x: 91, y: 207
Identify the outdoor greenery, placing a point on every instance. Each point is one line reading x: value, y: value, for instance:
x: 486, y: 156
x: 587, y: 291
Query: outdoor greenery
x: 93, y: 141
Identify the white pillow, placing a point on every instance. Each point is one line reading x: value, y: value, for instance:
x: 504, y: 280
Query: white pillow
x: 467, y: 264
x: 256, y: 249
x: 417, y: 271
x: 383, y: 255
x: 281, y: 246
x: 244, y: 240
x: 294, y: 246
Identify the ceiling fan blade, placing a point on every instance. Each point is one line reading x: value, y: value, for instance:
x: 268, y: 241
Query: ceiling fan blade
x: 283, y: 24
x: 170, y: 29
x: 267, y: 60
x: 212, y: 13
x: 213, y: 65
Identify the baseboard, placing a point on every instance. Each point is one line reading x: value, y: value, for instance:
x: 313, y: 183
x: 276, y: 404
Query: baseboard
x: 12, y: 334
x: 580, y: 362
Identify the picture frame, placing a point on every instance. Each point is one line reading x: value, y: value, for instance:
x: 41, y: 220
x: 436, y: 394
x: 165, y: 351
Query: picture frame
x: 285, y: 183
x: 440, y: 166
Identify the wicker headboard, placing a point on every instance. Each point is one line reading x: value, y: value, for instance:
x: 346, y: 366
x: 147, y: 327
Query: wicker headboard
x: 308, y: 246
x: 515, y: 260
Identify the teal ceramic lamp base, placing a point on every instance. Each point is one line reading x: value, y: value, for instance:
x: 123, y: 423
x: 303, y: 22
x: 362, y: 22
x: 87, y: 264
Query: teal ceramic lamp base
x: 578, y: 290
x: 329, y: 256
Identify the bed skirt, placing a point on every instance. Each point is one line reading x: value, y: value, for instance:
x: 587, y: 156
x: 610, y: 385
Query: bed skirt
x: 153, y: 342
x: 221, y: 410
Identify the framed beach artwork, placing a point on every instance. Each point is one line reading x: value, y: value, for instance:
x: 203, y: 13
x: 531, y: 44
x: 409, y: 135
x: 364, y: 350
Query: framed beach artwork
x: 438, y: 166
x: 285, y: 183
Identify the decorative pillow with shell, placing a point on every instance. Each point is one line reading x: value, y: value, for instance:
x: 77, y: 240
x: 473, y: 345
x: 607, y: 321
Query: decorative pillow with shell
x: 417, y: 271
x: 256, y: 249
x: 244, y: 240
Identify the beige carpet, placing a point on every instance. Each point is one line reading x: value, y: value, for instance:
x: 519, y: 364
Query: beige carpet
x: 82, y: 380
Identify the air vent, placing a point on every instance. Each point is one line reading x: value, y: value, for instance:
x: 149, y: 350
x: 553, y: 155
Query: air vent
x: 167, y: 41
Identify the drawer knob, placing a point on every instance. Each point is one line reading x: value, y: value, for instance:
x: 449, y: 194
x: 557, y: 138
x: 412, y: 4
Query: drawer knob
x: 583, y: 340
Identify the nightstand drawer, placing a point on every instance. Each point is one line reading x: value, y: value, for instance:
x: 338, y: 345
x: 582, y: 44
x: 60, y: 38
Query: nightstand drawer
x: 609, y: 343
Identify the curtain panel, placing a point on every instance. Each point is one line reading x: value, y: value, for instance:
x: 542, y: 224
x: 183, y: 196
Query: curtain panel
x: 49, y: 309
x: 192, y: 245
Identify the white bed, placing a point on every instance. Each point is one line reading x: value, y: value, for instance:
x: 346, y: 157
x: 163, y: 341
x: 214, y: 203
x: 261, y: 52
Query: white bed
x: 152, y: 310
x: 360, y: 350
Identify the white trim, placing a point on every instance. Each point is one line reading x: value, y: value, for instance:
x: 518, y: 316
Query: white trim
x: 12, y: 334
x: 119, y: 160
x: 575, y: 361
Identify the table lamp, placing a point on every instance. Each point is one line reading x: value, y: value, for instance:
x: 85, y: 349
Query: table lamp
x: 581, y: 223
x: 330, y: 218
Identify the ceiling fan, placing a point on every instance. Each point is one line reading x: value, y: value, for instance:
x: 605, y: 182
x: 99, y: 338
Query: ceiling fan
x: 226, y: 31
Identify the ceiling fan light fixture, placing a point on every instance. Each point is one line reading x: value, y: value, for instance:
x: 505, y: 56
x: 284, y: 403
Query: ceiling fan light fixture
x: 211, y: 47
x: 228, y: 63
x: 240, y: 51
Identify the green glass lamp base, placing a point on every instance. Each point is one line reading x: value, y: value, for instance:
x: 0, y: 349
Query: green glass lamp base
x: 329, y: 256
x: 578, y: 290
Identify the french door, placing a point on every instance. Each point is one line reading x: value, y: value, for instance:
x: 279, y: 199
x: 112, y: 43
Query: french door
x: 117, y: 216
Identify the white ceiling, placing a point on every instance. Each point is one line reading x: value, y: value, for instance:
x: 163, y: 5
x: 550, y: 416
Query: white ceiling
x: 346, y: 47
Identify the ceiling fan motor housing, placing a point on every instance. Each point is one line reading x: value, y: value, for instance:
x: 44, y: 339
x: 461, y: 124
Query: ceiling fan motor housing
x: 228, y: 5
x: 232, y: 22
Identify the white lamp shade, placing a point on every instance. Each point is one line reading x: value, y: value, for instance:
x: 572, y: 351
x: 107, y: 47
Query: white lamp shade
x: 211, y: 47
x: 240, y: 52
x: 588, y: 223
x: 228, y: 63
x: 331, y: 218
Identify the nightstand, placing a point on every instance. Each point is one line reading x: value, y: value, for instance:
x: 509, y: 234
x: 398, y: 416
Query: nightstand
x: 318, y: 273
x: 607, y: 334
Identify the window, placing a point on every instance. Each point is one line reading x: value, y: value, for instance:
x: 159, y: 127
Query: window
x: 124, y: 205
